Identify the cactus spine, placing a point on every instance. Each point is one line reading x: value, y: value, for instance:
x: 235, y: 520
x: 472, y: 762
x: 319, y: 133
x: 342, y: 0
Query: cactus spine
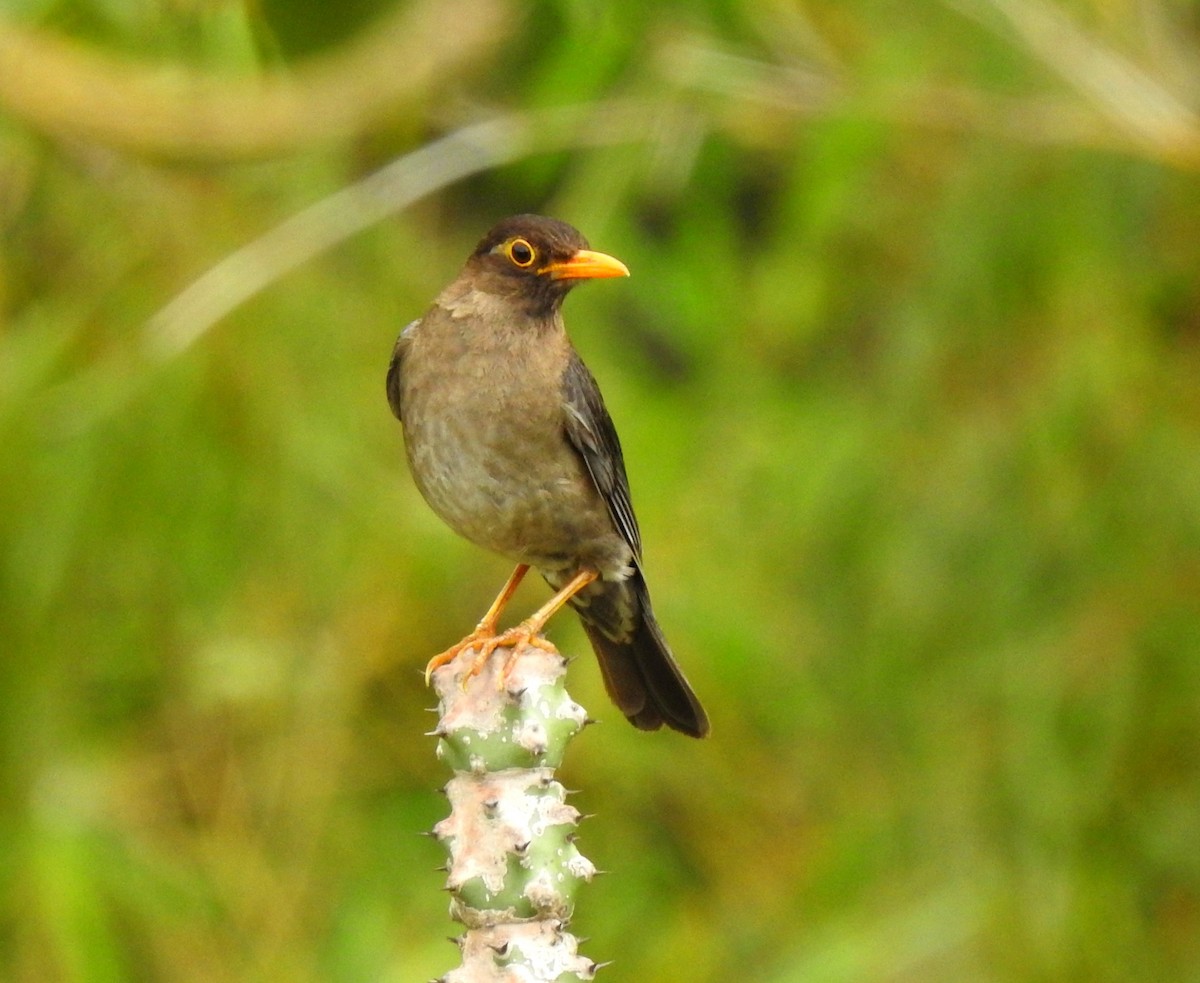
x: 513, y: 867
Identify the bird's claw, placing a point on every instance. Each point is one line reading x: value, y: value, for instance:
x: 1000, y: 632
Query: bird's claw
x: 485, y: 640
x: 517, y: 639
x: 480, y: 637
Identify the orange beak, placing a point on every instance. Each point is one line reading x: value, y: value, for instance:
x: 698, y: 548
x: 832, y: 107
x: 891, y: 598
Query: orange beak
x: 586, y: 265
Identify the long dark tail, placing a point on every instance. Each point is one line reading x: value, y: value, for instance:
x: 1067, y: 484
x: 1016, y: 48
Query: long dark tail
x: 640, y: 674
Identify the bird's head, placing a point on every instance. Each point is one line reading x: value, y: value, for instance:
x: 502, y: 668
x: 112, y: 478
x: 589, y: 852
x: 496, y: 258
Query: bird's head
x: 536, y: 260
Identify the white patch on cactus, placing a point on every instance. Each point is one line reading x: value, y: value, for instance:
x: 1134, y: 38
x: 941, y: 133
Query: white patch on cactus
x: 581, y: 867
x: 531, y: 734
x: 528, y: 951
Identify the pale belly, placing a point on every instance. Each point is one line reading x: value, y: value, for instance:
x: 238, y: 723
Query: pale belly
x: 516, y: 489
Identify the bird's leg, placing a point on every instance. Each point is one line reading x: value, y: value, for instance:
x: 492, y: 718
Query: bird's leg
x: 485, y: 630
x: 528, y: 631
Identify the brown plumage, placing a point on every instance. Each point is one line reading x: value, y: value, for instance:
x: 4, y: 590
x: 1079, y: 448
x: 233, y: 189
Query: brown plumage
x: 509, y: 442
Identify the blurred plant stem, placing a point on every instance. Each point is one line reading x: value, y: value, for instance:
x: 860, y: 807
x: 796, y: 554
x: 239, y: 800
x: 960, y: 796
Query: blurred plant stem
x: 470, y: 150
x: 77, y: 91
x: 1113, y: 103
x: 1144, y: 104
x: 1125, y: 110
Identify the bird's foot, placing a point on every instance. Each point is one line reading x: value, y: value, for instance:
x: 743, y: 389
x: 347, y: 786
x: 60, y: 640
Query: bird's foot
x: 479, y: 638
x: 485, y: 641
x: 516, y: 639
x: 525, y: 635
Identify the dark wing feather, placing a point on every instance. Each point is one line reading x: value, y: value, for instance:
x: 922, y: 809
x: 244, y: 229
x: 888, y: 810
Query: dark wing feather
x: 591, y: 432
x: 395, y: 367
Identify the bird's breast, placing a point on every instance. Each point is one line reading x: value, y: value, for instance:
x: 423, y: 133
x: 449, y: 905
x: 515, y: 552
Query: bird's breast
x: 487, y: 449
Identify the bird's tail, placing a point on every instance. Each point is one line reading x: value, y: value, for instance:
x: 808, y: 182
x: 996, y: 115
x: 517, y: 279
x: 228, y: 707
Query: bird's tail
x: 640, y: 673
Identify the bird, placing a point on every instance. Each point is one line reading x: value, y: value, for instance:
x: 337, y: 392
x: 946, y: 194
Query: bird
x: 509, y: 442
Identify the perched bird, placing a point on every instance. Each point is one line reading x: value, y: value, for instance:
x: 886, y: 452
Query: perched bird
x: 509, y: 442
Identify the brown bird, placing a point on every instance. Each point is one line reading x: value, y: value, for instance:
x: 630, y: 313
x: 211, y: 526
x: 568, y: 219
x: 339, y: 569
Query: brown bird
x: 509, y: 442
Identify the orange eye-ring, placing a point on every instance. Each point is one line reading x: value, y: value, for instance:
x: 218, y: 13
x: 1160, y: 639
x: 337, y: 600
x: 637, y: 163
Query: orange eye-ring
x: 521, y: 253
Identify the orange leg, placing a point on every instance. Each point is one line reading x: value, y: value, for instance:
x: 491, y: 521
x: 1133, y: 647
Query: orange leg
x: 527, y: 632
x: 486, y: 629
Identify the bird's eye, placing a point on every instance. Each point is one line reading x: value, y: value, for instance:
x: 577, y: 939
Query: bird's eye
x: 521, y: 253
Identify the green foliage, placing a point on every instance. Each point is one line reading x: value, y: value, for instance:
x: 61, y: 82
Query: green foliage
x: 906, y: 378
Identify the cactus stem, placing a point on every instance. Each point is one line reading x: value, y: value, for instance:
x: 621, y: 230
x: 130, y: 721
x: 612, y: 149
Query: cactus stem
x: 513, y: 865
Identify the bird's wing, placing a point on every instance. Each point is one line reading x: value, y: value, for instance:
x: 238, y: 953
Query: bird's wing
x: 396, y: 367
x: 591, y: 432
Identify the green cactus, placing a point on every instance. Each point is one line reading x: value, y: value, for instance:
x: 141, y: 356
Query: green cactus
x: 513, y: 867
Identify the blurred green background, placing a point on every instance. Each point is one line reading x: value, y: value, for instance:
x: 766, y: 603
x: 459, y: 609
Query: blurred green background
x: 906, y: 374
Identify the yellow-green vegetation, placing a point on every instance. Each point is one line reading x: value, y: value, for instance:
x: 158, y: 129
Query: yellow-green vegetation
x: 908, y: 378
